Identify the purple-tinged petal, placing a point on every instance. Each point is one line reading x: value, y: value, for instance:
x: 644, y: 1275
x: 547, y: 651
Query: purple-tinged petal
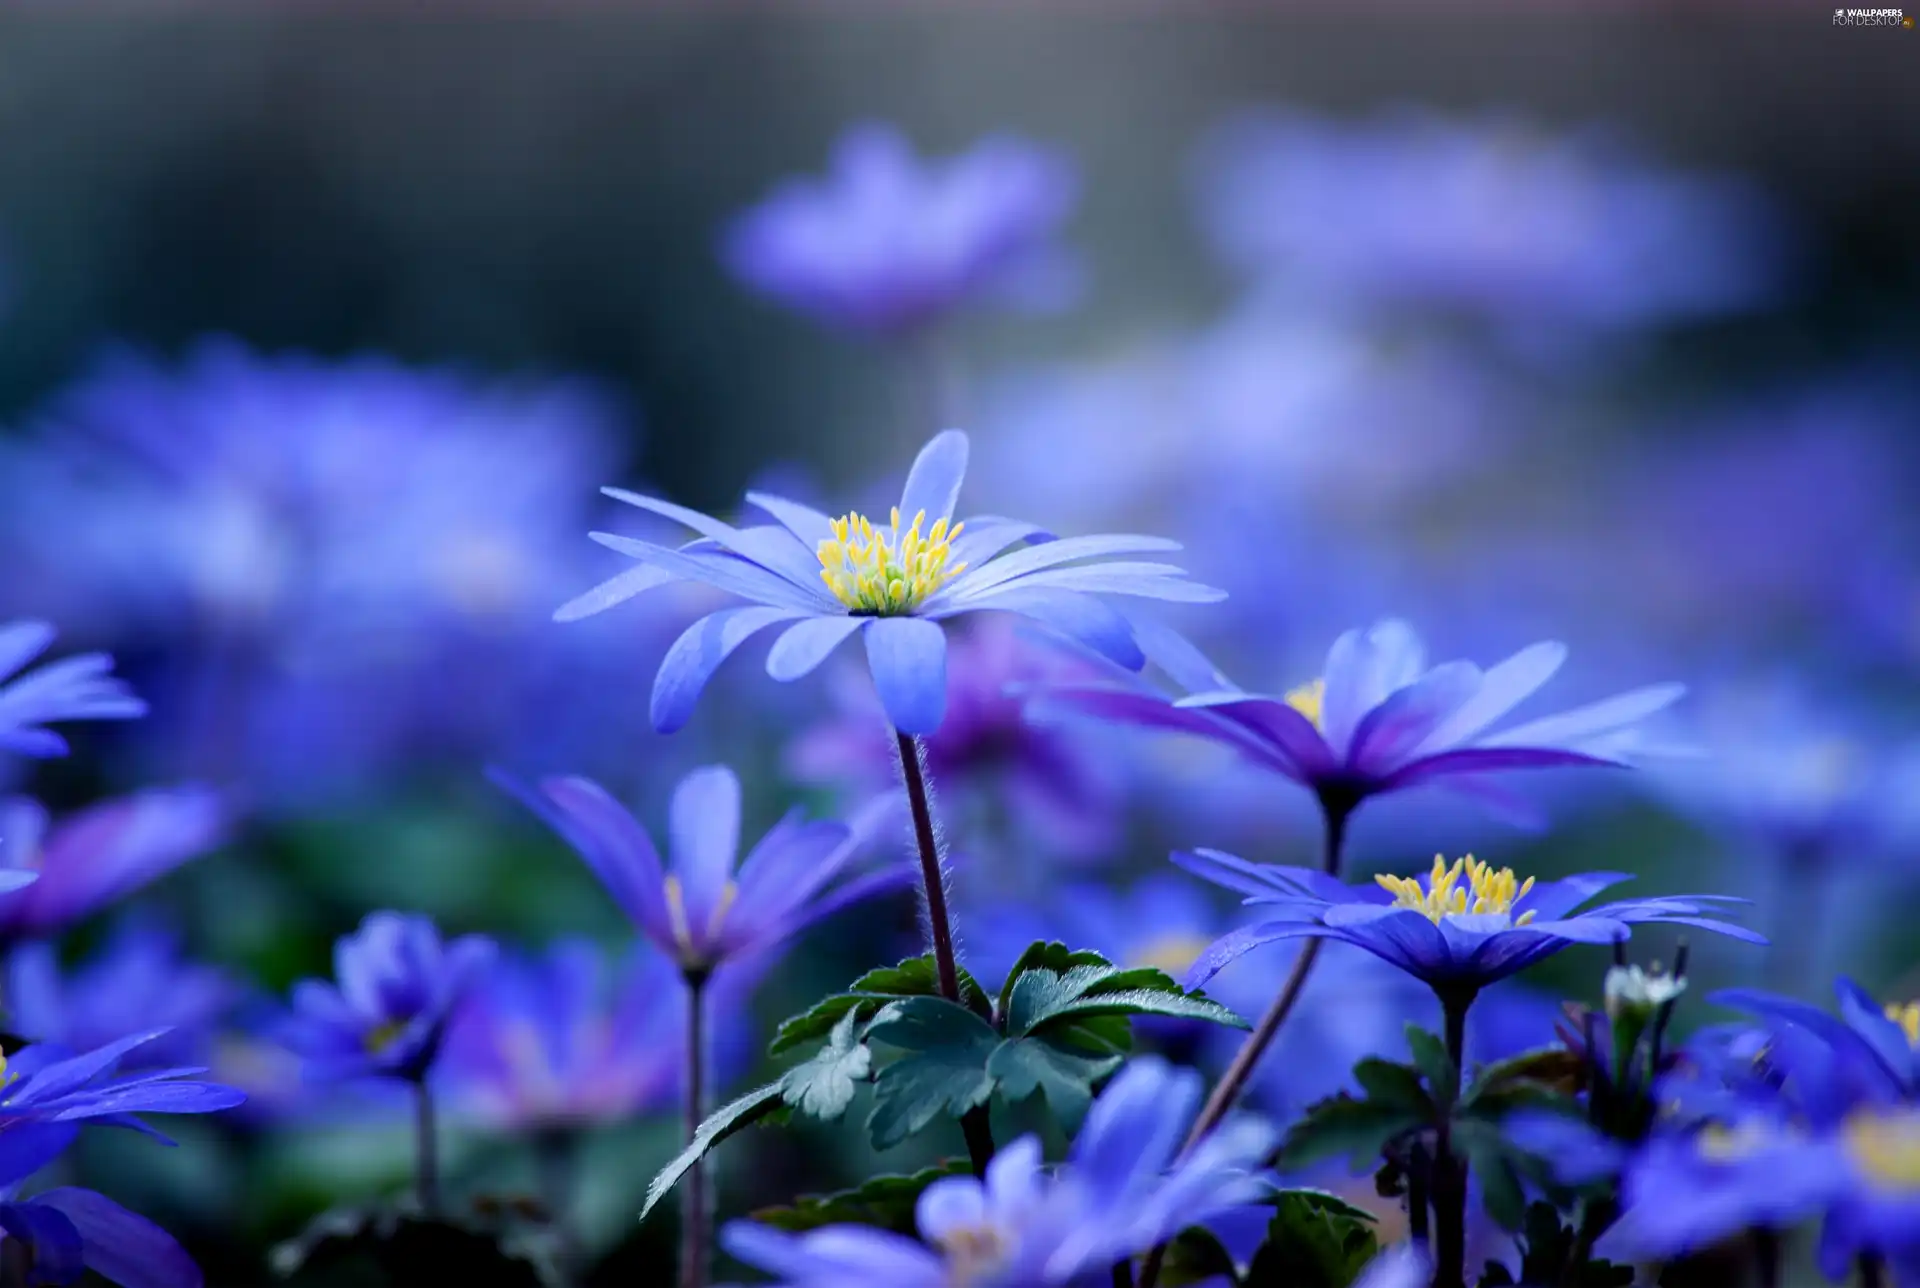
x: 1387, y: 735
x: 1183, y: 662
x: 933, y: 484
x: 1140, y: 707
x: 1081, y: 618
x: 808, y: 525
x: 1167, y: 582
x: 615, y: 590
x: 1498, y: 800
x: 1725, y: 929
x: 703, y: 825
x: 882, y: 881
x: 807, y: 643
x: 120, y: 1246
x: 1291, y: 737
x: 1887, y: 1039
x: 787, y: 867
x: 1486, y: 760
x: 1570, y: 728
x: 950, y: 1204
x: 1503, y: 687
x: 21, y: 642
x: 1584, y: 929
x: 722, y: 571
x: 610, y: 839
x: 65, y: 1076
x: 27, y: 1147
x: 986, y: 535
x: 53, y: 1245
x: 1551, y: 900
x: 908, y: 658
x: 775, y: 549
x: 1235, y: 944
x: 1363, y: 667
x: 698, y: 653
x: 1261, y: 879
x: 155, y: 1098
x: 977, y: 581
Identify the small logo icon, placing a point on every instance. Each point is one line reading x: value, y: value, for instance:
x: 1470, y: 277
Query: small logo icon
x: 1907, y: 22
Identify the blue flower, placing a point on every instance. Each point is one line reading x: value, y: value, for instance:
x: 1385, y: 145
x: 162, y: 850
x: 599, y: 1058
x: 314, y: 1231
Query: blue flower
x: 68, y: 1231
x: 568, y: 1039
x: 74, y: 688
x: 1380, y: 719
x: 829, y: 579
x: 99, y: 854
x: 397, y: 985
x: 135, y: 981
x: 702, y: 911
x: 1453, y: 936
x: 1829, y: 1064
x: 889, y: 245
x: 1119, y: 1193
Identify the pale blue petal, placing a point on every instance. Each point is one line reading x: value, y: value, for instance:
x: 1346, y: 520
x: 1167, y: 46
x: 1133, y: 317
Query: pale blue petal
x: 1570, y: 728
x: 1081, y: 618
x: 807, y: 643
x: 773, y: 548
x: 933, y: 484
x: 1386, y: 736
x: 1166, y: 582
x: 1183, y: 662
x: 908, y: 657
x: 803, y: 521
x: 723, y: 571
x: 1363, y: 667
x: 704, y: 838
x: 986, y: 535
x: 1032, y: 559
x: 953, y: 1203
x: 615, y: 590
x: 1504, y: 686
x: 121, y: 1246
x: 698, y: 653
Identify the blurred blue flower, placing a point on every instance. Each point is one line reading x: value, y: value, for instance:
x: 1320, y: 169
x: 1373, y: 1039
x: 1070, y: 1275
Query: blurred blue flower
x: 698, y: 909
x: 1452, y: 936
x: 1866, y: 1054
x: 1120, y: 1192
x: 888, y: 244
x: 307, y: 609
x: 1487, y: 216
x: 104, y: 852
x: 1380, y: 720
x: 1028, y: 787
x: 135, y: 981
x: 833, y: 578
x: 386, y: 1011
x: 68, y: 1231
x: 569, y: 1039
x: 74, y: 688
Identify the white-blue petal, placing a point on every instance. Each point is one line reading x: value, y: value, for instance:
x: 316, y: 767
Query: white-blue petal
x: 614, y: 590
x: 1081, y: 618
x: 698, y: 653
x: 807, y: 643
x: 734, y: 574
x: 933, y: 484
x: 908, y: 657
x: 1031, y: 559
x: 803, y: 521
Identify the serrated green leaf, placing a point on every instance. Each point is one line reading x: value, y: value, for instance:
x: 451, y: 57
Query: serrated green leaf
x: 1022, y: 1066
x: 1357, y: 1129
x: 945, y: 1072
x: 1044, y: 954
x: 1310, y: 1245
x: 1196, y: 1256
x: 823, y: 1087
x: 1040, y: 993
x: 1042, y: 998
x: 1435, y: 1065
x: 1554, y: 1067
x: 1094, y: 1035
x: 885, y: 1203
x: 1138, y: 1001
x: 759, y: 1103
x: 1150, y: 978
x: 929, y: 1024
x: 1323, y: 1200
x: 1394, y: 1085
x: 1493, y: 1105
x: 914, y: 977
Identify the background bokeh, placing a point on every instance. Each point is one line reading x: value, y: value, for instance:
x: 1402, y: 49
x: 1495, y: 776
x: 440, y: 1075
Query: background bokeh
x: 320, y: 330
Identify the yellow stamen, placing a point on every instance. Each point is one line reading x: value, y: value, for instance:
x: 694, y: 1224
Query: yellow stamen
x: 1175, y: 953
x: 677, y: 913
x: 973, y: 1253
x: 382, y: 1036
x: 1720, y: 1144
x: 1310, y: 700
x: 1907, y: 1016
x: 1488, y: 890
x: 1885, y: 1147
x: 885, y: 572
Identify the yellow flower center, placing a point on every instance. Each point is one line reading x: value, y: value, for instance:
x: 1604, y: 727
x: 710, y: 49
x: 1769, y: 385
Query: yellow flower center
x: 884, y: 572
x: 382, y: 1036
x: 1175, y: 953
x: 1721, y: 1144
x: 677, y: 914
x: 1488, y: 890
x: 1885, y: 1147
x: 973, y: 1252
x: 1310, y: 700
x: 1907, y: 1016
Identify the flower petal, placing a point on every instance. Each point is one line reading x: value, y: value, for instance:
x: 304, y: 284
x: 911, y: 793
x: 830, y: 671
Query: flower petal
x: 1180, y: 658
x: 1486, y: 760
x: 1387, y: 735
x: 723, y: 571
x: 609, y: 838
x: 807, y: 643
x: 980, y: 579
x: 1166, y: 582
x: 1504, y: 686
x: 703, y: 834
x: 1235, y: 944
x: 1289, y: 735
x: 53, y: 1245
x: 615, y: 590
x: 953, y: 1203
x: 986, y: 535
x: 933, y: 484
x: 1081, y: 618
x: 1569, y: 728
x: 121, y: 1246
x: 775, y: 549
x: 1363, y: 667
x: 908, y: 657
x: 806, y: 523
x: 698, y: 653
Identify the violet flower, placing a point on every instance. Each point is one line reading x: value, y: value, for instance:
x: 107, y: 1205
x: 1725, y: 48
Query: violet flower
x: 73, y: 688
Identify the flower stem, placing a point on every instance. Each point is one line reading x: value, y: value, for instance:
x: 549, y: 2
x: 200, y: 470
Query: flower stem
x: 1873, y: 1271
x: 1449, y: 1172
x: 426, y: 1151
x: 694, y: 1201
x: 556, y: 1153
x: 1234, y: 1081
x: 933, y: 880
x: 1123, y: 1275
x: 1419, y: 1175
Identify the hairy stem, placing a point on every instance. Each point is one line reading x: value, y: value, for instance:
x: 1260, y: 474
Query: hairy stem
x: 933, y: 880
x: 1449, y: 1172
x: 426, y: 1153
x: 695, y: 1200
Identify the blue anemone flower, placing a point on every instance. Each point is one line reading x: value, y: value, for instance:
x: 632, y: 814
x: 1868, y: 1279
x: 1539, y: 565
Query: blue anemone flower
x: 1453, y: 935
x: 1380, y: 719
x: 74, y: 688
x: 99, y: 854
x: 703, y: 912
x: 569, y: 1039
x: 396, y: 985
x: 827, y: 579
x: 68, y: 1231
x: 1120, y: 1192
x: 888, y: 244
x: 1869, y: 1052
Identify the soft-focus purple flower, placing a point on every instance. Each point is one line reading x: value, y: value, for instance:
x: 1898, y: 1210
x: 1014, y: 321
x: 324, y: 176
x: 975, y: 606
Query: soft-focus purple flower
x: 88, y: 859
x: 889, y: 244
x: 74, y: 688
x: 1051, y: 787
x: 135, y: 981
x: 698, y: 909
x: 1380, y: 719
x: 1865, y: 1054
x: 825, y: 580
x: 1120, y: 1192
x: 1453, y: 936
x: 68, y: 1231
x: 1487, y: 216
x: 386, y: 1010
x: 569, y: 1038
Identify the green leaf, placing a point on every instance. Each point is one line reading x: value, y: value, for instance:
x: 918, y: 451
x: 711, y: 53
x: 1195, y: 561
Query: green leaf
x: 1394, y: 1085
x: 1358, y: 1129
x: 823, y: 1087
x: 914, y: 977
x: 1042, y: 954
x: 1022, y: 1066
x: 759, y: 1103
x: 945, y: 1072
x: 1140, y: 1001
x: 1042, y: 998
x: 1435, y: 1065
x: 885, y: 1203
x: 1488, y: 1156
x: 1311, y: 1245
x: 1323, y: 1200
x: 1197, y: 1256
x: 929, y: 1024
x: 1553, y: 1067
